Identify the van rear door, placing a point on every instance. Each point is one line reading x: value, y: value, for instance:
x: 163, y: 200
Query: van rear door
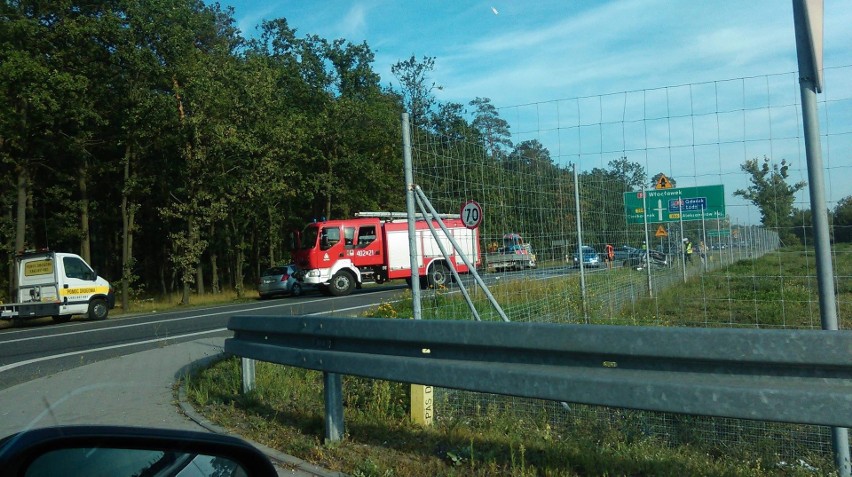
x: 37, y: 279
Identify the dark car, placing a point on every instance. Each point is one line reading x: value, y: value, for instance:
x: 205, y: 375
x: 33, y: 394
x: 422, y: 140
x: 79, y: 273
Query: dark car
x: 278, y: 281
x: 624, y: 252
x: 638, y: 260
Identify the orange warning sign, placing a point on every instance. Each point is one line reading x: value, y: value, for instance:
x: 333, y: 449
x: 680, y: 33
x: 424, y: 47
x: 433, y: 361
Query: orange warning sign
x: 661, y: 232
x: 663, y: 182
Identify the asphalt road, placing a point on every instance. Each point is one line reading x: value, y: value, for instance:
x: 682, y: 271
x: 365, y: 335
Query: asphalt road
x: 42, y: 348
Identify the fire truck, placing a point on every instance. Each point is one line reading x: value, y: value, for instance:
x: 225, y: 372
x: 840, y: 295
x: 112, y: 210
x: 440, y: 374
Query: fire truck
x: 338, y: 256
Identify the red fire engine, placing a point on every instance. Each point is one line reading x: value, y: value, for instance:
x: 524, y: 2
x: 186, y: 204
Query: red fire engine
x: 340, y: 255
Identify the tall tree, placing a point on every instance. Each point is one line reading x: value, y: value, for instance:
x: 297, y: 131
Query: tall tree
x: 417, y: 88
x: 772, y: 195
x: 493, y: 130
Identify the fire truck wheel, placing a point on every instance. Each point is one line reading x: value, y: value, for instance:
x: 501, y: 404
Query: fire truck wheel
x: 342, y: 283
x: 438, y: 275
x: 98, y: 310
x: 61, y: 318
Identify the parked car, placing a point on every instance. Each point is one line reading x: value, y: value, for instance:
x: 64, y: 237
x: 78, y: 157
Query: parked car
x: 277, y: 281
x: 591, y: 259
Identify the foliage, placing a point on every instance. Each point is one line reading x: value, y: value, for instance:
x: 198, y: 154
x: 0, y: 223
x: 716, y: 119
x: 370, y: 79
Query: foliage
x: 843, y: 220
x: 771, y: 194
x: 212, y: 147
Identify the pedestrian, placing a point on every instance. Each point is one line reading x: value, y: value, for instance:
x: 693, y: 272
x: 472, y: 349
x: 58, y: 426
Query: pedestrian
x: 610, y: 256
x: 702, y: 253
x: 687, y: 250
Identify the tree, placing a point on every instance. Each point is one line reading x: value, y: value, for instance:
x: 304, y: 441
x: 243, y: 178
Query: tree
x: 843, y: 220
x: 493, y: 130
x: 413, y: 76
x: 771, y: 194
x: 630, y: 175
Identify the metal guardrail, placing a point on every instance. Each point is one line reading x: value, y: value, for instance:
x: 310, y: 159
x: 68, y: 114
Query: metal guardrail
x: 795, y: 376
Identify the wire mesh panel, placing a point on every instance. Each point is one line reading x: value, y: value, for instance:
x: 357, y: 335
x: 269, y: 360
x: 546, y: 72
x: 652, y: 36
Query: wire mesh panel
x: 559, y: 244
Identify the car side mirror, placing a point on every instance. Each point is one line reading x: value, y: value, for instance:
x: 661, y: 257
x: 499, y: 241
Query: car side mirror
x: 127, y: 451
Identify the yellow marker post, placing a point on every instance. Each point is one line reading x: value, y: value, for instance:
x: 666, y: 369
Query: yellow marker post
x: 422, y: 404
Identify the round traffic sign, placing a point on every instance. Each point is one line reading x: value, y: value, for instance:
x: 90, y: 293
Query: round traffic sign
x: 471, y: 214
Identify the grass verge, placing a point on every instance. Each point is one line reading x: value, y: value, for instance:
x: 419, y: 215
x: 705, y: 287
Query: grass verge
x: 486, y: 435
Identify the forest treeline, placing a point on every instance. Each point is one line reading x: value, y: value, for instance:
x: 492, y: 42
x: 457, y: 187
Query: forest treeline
x: 175, y: 154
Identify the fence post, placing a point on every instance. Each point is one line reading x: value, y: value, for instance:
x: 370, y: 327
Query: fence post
x: 333, y: 393
x: 247, y: 365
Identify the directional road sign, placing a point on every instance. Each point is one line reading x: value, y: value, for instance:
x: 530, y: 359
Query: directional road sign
x: 667, y: 205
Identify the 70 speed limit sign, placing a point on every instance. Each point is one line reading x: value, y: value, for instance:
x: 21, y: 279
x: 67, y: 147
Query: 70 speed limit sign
x: 471, y: 214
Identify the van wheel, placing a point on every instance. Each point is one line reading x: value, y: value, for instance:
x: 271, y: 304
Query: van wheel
x: 61, y: 318
x: 98, y: 310
x: 341, y: 283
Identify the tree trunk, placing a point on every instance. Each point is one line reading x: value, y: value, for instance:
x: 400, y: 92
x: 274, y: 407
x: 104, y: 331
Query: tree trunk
x: 199, y: 268
x: 214, y: 278
x: 11, y: 262
x: 239, y: 258
x: 214, y: 269
x: 200, y: 279
x: 187, y: 266
x: 85, y: 239
x: 272, y: 235
x: 164, y: 289
x: 128, y: 215
x: 238, y: 276
x: 229, y: 258
x: 21, y: 218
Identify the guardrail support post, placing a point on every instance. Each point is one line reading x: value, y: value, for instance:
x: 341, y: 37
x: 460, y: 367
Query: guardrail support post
x: 333, y: 392
x: 247, y: 366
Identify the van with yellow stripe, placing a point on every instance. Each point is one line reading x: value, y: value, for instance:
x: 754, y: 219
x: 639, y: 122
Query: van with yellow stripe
x: 58, y: 285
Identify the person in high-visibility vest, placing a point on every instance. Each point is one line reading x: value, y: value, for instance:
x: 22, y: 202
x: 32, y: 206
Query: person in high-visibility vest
x: 687, y: 250
x: 610, y: 255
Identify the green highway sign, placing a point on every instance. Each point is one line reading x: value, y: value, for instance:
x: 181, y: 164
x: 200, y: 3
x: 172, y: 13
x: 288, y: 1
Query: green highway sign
x: 719, y: 233
x: 667, y: 205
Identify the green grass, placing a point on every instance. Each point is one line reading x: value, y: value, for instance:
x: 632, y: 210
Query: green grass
x: 483, y: 435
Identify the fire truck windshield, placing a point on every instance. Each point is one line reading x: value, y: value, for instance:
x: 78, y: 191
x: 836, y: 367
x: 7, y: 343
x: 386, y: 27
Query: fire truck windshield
x: 309, y: 237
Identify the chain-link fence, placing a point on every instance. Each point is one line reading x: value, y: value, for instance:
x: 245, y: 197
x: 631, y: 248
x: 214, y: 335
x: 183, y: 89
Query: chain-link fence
x: 561, y: 242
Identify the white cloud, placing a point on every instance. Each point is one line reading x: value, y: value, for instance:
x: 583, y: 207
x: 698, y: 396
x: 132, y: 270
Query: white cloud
x: 354, y: 23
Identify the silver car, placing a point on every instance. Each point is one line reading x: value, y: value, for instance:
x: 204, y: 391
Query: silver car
x: 279, y: 280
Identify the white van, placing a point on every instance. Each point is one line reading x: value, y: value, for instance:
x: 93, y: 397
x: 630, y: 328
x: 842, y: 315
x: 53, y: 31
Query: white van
x: 58, y: 285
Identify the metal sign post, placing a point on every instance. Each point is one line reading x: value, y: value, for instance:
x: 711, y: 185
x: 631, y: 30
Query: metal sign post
x: 808, y: 18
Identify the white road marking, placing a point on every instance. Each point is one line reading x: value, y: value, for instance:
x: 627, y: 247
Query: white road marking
x: 105, y: 348
x: 154, y: 340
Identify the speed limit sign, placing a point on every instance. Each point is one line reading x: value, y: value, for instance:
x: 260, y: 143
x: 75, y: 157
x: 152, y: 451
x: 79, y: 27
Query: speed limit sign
x: 471, y: 214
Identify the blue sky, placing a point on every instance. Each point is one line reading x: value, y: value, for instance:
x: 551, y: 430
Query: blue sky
x: 531, y: 51
x: 524, y: 52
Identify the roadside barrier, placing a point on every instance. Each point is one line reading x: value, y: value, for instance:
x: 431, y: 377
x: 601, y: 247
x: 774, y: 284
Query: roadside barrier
x: 795, y: 376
